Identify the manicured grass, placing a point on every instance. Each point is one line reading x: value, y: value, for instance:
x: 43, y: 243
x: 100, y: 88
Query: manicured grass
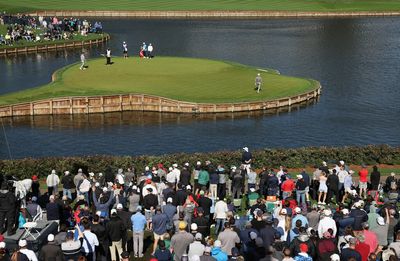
x: 278, y: 5
x: 24, y: 43
x: 184, y: 79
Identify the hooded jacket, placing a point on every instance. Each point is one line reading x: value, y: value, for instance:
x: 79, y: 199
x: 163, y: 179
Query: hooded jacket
x: 7, y: 200
x: 302, y: 238
x: 218, y: 254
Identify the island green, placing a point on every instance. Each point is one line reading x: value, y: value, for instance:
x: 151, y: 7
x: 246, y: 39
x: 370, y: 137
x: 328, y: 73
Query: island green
x: 184, y: 79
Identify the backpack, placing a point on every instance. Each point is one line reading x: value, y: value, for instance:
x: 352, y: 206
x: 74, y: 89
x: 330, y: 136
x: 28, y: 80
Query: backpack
x: 18, y: 256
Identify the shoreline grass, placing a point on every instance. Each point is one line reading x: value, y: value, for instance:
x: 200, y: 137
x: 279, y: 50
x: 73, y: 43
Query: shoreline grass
x: 183, y: 79
x: 16, y: 6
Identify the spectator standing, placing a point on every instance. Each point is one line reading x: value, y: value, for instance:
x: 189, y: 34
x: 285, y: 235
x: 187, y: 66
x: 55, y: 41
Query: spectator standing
x: 51, y: 251
x: 68, y: 184
x: 159, y: 224
x: 108, y: 56
x: 180, y: 241
x: 116, y: 232
x: 258, y: 82
x: 23, y: 248
x: 247, y: 159
x: 138, y: 221
x: 363, y: 173
x: 221, y: 208
x: 150, y: 49
x: 229, y: 238
x: 90, y: 242
x: 375, y: 180
x: 351, y: 251
x: 52, y: 182
x: 53, y: 209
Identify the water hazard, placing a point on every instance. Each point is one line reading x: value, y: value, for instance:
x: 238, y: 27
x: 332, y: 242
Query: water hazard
x: 356, y: 61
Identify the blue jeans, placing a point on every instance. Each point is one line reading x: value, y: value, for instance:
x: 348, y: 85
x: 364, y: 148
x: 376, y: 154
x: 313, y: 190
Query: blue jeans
x: 219, y: 225
x: 301, y: 195
x: 67, y: 192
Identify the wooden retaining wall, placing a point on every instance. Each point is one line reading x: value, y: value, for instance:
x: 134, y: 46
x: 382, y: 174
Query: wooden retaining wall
x: 52, y: 47
x: 209, y: 14
x: 141, y: 102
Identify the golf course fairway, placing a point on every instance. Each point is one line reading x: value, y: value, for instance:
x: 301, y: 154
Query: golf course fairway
x: 183, y: 79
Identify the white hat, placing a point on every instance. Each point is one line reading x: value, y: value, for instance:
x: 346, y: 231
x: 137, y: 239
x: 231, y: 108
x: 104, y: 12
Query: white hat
x: 335, y: 257
x: 98, y: 213
x: 351, y: 171
x: 233, y: 167
x: 357, y: 204
x: 246, y: 149
x: 119, y: 206
x: 66, y: 172
x: 22, y: 243
x: 198, y: 163
x: 119, y: 171
x: 253, y: 235
x: 91, y: 174
x: 50, y: 238
x: 169, y: 200
x: 188, y: 187
x: 193, y: 227
x: 147, y: 168
x: 53, y: 171
x: 175, y: 165
x: 187, y: 164
x: 327, y: 212
x: 324, y: 163
x: 392, y: 174
x: 2, y: 245
x: 51, y: 197
x: 113, y: 211
x: 105, y: 189
x: 380, y: 221
x: 217, y: 243
x: 170, y: 168
x: 134, y: 187
x: 198, y: 236
x: 97, y: 184
x: 345, y: 211
x: 297, y: 210
x: 79, y: 170
x: 252, y: 189
x: 100, y: 174
x: 283, y: 211
x: 341, y: 162
x: 299, y: 176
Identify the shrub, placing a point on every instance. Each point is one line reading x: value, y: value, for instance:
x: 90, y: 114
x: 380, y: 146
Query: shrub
x: 291, y: 158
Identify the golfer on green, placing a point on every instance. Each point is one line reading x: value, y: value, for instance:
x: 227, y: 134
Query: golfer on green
x: 83, y: 60
x: 258, y: 82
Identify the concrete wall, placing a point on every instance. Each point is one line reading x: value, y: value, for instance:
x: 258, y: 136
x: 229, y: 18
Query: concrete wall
x: 51, y: 47
x: 141, y: 102
x: 209, y: 14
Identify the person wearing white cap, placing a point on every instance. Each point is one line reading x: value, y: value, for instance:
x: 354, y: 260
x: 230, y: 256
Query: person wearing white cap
x: 196, y: 248
x: 326, y: 223
x: 342, y: 174
x: 251, y: 178
x: 217, y: 252
x: 247, y: 158
x: 51, y: 251
x: 23, y: 248
x: 348, y: 183
x: 116, y: 232
x: 301, y: 186
x: 258, y: 82
x: 52, y: 182
x: 67, y: 182
x: 299, y: 216
x: 177, y: 172
x: 125, y: 49
x: 196, y: 171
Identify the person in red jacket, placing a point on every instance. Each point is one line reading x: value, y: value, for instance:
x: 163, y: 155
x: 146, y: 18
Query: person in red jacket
x: 363, y: 173
x: 362, y: 247
x: 287, y: 187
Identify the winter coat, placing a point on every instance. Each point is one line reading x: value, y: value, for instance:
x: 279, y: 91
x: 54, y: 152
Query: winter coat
x: 218, y: 254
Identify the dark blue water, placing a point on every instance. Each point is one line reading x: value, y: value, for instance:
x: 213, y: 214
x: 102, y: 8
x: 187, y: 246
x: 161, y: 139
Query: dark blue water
x: 357, y: 62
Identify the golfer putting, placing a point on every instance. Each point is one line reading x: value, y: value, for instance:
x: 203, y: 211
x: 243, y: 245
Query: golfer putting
x: 258, y: 83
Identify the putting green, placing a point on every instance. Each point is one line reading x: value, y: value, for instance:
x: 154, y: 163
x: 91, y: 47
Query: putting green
x: 184, y: 79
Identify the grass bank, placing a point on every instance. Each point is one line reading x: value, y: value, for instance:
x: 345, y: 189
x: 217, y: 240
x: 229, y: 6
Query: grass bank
x: 184, y: 79
x: 24, y: 43
x: 206, y: 5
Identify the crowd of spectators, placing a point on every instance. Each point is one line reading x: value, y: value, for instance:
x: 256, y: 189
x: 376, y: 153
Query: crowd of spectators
x: 208, y: 211
x: 38, y: 29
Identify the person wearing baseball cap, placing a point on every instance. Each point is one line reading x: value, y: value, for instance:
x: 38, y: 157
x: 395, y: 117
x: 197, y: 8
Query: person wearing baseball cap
x: 180, y: 241
x: 303, y: 255
x: 23, y: 248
